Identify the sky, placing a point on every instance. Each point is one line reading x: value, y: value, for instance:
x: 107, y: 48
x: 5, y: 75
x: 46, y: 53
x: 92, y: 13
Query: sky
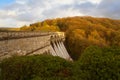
x: 16, y: 13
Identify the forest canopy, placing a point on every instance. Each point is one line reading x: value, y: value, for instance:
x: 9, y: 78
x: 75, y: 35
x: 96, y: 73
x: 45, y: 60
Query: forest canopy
x: 82, y: 32
x: 93, y: 44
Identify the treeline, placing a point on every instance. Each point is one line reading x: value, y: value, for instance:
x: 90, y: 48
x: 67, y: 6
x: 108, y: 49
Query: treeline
x: 41, y: 26
x: 82, y: 32
x: 9, y: 29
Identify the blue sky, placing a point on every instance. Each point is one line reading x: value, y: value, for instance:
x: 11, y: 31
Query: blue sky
x: 6, y: 2
x: 16, y: 13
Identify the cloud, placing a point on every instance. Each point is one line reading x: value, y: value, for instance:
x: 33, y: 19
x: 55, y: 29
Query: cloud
x: 109, y: 8
x: 12, y: 23
x: 23, y: 12
x: 85, y: 8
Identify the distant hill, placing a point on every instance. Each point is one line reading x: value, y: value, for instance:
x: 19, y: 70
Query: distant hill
x: 64, y: 23
x: 9, y: 29
x: 82, y: 32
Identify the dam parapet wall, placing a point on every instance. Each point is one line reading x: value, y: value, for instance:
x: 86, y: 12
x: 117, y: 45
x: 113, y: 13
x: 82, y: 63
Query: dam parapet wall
x: 29, y: 43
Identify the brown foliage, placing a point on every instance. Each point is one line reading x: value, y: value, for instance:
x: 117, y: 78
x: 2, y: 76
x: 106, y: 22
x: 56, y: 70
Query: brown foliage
x: 82, y: 32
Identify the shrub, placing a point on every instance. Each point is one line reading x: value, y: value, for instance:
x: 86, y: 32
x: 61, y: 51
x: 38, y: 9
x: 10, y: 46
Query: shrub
x: 98, y: 64
x: 94, y: 64
x: 35, y: 68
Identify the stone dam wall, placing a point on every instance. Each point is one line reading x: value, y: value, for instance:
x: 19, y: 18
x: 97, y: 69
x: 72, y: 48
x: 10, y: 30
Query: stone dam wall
x: 29, y: 43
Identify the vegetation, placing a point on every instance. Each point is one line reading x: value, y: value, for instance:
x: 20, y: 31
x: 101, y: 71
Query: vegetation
x: 99, y: 64
x: 35, y: 68
x: 81, y: 32
x: 93, y: 43
x: 9, y: 29
x: 94, y: 64
x: 41, y: 26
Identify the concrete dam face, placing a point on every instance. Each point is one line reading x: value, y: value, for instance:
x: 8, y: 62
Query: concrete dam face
x: 32, y: 43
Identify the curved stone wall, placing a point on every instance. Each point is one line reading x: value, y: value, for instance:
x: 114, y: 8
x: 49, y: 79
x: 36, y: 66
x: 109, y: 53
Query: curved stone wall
x: 29, y: 43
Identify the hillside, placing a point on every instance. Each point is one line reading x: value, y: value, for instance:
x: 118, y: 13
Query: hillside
x: 82, y: 32
x: 74, y: 22
x: 9, y: 29
x: 93, y: 43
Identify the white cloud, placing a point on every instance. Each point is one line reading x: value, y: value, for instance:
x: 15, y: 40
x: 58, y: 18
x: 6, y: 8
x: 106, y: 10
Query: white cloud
x: 95, y: 1
x: 23, y: 12
x: 21, y: 1
x: 12, y: 23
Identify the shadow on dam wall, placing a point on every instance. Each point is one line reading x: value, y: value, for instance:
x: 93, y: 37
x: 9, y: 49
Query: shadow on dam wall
x: 30, y: 43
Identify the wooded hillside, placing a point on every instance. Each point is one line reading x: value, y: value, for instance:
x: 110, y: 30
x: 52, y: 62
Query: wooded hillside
x: 93, y: 43
x: 82, y: 32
